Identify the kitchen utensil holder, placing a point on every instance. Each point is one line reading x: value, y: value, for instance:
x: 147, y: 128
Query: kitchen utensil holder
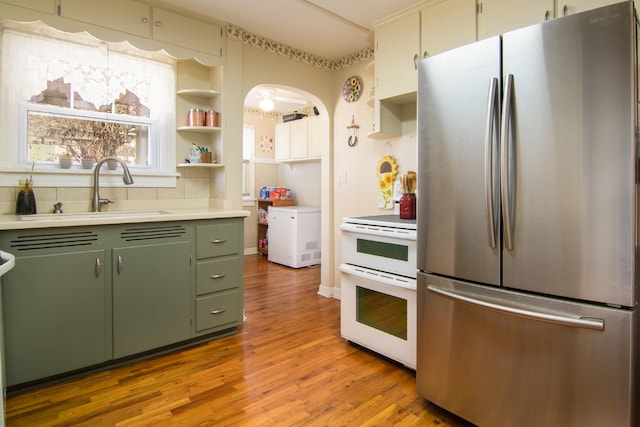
x: 408, y: 206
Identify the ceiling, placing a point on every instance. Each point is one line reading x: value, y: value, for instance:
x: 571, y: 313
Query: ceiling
x: 331, y: 29
x: 284, y: 100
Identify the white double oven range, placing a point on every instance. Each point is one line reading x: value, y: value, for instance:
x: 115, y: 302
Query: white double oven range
x: 378, y: 281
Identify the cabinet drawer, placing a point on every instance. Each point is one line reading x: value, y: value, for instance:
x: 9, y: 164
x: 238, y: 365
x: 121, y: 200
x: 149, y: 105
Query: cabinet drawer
x: 217, y: 240
x: 217, y: 275
x: 217, y: 310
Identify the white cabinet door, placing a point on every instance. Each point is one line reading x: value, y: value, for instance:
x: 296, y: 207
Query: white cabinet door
x: 397, y: 44
x: 181, y: 31
x: 447, y: 25
x: 127, y: 16
x: 499, y: 16
x: 315, y: 137
x: 283, y: 143
x: 47, y: 6
x: 299, y: 139
x: 570, y: 7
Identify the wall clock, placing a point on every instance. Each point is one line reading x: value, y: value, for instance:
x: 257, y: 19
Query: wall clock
x: 352, y: 89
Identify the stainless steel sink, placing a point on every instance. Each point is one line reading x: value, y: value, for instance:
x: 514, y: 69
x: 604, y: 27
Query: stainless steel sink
x: 90, y: 215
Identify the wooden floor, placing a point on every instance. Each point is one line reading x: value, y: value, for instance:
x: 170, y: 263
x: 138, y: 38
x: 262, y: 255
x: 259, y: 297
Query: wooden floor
x: 287, y: 366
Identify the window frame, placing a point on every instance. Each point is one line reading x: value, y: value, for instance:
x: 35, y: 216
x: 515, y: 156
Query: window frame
x: 248, y: 174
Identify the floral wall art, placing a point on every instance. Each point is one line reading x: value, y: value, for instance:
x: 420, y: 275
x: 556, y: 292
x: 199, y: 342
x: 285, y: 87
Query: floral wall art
x: 387, y: 171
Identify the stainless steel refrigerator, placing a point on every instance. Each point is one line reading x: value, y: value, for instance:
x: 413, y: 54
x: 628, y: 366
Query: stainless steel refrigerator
x: 528, y: 225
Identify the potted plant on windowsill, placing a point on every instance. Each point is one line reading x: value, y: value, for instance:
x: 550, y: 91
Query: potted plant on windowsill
x: 87, y: 162
x: 65, y: 160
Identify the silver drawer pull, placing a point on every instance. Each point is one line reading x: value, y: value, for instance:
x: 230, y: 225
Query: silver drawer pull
x: 218, y: 311
x: 218, y: 241
x: 217, y: 276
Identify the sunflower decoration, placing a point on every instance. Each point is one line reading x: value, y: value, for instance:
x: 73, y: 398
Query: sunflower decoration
x: 387, y: 171
x: 352, y: 89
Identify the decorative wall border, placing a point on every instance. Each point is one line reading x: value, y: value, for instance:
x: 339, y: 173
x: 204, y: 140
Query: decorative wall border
x: 308, y: 110
x: 253, y: 40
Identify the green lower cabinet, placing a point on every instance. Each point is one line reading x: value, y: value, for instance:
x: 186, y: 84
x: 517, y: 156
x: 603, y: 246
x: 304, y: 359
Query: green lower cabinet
x: 55, y: 315
x: 151, y: 307
x: 84, y: 296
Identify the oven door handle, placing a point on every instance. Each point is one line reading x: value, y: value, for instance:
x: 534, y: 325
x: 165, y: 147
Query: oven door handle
x: 380, y: 231
x: 379, y: 276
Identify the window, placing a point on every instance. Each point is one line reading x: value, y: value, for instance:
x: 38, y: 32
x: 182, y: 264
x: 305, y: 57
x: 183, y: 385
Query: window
x: 54, y: 131
x: 248, y: 147
x: 71, y: 93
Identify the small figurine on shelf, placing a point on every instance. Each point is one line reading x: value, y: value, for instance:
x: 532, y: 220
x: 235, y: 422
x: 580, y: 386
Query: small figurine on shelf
x: 194, y: 154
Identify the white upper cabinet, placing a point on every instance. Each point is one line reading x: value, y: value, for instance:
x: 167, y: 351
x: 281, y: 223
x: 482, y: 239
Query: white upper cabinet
x: 499, y: 16
x: 315, y: 137
x: 397, y: 43
x: 126, y: 16
x: 402, y: 42
x: 153, y: 23
x: 168, y: 27
x: 283, y: 141
x: 298, y: 140
x: 47, y: 6
x: 447, y: 25
x: 570, y: 7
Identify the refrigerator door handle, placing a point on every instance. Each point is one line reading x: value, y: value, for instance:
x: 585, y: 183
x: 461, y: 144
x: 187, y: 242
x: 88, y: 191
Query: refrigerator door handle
x: 490, y: 147
x: 575, y: 322
x: 507, y: 177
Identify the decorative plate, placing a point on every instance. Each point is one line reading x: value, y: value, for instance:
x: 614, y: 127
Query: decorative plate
x: 352, y: 89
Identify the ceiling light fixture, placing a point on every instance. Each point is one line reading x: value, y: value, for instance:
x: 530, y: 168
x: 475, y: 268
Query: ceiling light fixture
x: 266, y: 103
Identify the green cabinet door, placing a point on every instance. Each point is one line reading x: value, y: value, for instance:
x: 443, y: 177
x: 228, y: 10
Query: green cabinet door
x: 55, y: 315
x: 151, y: 290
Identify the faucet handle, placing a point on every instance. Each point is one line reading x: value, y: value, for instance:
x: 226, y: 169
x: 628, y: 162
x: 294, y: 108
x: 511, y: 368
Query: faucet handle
x: 104, y: 201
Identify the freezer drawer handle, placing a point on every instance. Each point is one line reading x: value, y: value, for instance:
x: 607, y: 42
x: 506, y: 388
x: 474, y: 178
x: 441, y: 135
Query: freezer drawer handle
x: 576, y: 322
x: 215, y: 241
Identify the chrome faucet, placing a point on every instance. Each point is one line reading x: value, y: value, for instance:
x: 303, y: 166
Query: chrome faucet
x: 97, y: 203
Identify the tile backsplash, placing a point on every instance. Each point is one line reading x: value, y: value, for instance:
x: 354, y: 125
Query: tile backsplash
x: 192, y: 190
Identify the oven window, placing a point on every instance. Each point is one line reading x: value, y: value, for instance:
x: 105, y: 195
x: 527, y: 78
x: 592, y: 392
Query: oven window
x: 386, y: 250
x: 383, y: 312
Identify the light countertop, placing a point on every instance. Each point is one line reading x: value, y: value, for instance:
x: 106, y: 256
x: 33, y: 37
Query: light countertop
x: 17, y: 222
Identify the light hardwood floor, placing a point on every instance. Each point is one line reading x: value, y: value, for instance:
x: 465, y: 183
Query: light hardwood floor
x: 286, y: 366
